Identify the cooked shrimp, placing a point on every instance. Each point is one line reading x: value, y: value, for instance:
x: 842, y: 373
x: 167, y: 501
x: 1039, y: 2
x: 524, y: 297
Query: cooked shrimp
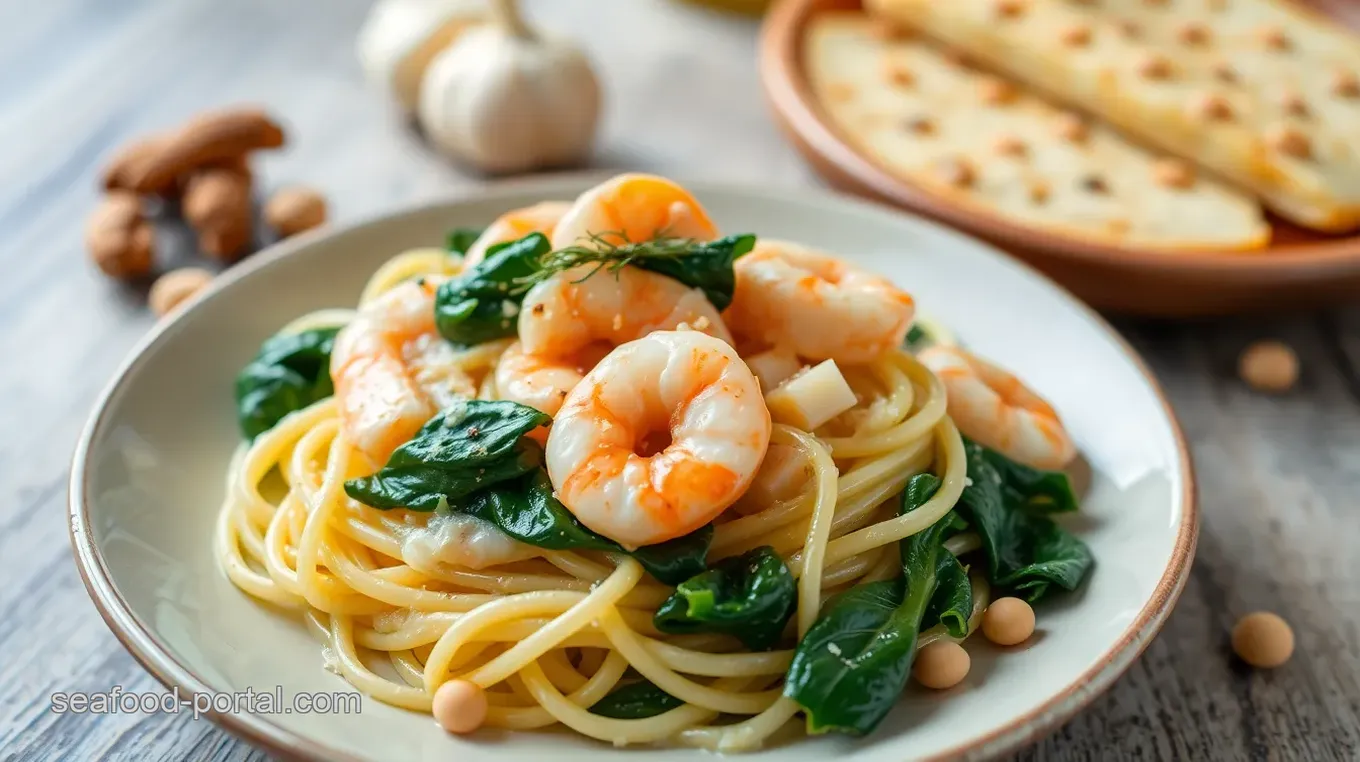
x: 567, y: 324
x: 543, y: 381
x: 514, y: 225
x: 569, y: 311
x: 635, y: 208
x: 392, y: 370
x: 661, y: 437
x: 995, y: 409
x: 816, y: 305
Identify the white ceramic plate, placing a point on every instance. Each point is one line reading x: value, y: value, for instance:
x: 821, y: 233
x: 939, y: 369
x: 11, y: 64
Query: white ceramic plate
x: 148, y: 478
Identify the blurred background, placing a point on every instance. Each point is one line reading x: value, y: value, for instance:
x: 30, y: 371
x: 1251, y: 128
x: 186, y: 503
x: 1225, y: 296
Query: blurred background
x: 681, y: 96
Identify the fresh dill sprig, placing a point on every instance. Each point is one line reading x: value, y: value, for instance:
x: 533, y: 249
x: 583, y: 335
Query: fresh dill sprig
x: 605, y: 251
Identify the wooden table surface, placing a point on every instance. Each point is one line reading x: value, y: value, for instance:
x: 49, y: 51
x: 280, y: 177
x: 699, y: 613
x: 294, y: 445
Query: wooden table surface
x: 1279, y: 477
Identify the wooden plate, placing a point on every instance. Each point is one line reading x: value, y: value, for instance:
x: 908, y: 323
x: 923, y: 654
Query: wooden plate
x: 1299, y: 269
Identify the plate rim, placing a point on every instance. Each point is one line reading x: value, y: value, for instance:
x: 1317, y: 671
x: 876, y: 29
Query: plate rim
x: 788, y: 93
x: 260, y: 731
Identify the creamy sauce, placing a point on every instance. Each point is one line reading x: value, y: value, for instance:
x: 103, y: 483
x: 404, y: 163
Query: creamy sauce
x: 462, y: 541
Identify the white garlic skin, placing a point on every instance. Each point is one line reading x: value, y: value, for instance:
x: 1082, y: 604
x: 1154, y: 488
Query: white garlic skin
x: 505, y: 102
x: 400, y: 37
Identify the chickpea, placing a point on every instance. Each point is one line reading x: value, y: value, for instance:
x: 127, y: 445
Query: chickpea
x: 459, y: 706
x: 1269, y: 366
x: 942, y: 664
x: 1008, y: 621
x: 172, y: 288
x: 1263, y: 639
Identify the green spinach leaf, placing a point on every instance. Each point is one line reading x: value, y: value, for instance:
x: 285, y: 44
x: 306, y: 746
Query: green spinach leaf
x: 290, y: 372
x: 459, y: 240
x: 467, y: 447
x: 675, y: 561
x: 1034, y: 489
x: 952, y: 603
x: 854, y: 662
x: 526, y: 510
x: 750, y: 596
x: 1026, y: 551
x: 481, y: 304
x: 636, y: 701
x: 705, y: 265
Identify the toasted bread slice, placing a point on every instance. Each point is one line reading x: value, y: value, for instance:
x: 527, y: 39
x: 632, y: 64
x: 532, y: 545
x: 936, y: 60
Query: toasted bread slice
x: 1261, y: 92
x: 982, y: 141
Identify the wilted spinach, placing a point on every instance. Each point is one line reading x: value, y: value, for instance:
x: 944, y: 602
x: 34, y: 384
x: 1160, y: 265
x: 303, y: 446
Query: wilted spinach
x: 1005, y: 504
x: 290, y: 372
x: 481, y: 304
x: 705, y: 265
x: 636, y: 701
x: 1031, y: 488
x: 459, y: 240
x: 750, y: 596
x: 853, y: 663
x: 468, y: 447
x: 472, y: 459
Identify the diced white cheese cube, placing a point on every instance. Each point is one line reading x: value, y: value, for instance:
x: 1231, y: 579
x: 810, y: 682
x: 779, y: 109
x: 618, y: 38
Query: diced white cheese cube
x: 811, y: 398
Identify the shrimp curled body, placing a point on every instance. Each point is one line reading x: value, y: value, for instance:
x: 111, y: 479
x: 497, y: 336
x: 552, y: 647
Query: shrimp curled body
x: 682, y: 389
x: 633, y: 207
x: 392, y: 370
x: 542, y: 381
x: 996, y: 409
x: 514, y: 225
x: 570, y: 320
x: 816, y: 305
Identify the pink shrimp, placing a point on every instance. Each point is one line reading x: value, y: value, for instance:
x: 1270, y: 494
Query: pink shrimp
x: 514, y: 225
x: 816, y: 305
x: 635, y: 208
x: 661, y: 437
x: 994, y: 408
x: 392, y: 370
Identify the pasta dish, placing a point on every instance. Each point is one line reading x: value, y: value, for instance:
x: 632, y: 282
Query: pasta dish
x: 602, y: 466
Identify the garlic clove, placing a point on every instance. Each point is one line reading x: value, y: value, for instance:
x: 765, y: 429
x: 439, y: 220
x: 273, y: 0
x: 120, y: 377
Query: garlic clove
x: 400, y: 37
x: 505, y: 102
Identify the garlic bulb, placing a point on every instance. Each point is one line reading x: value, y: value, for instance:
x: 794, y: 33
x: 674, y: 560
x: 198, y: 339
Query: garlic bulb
x: 399, y: 38
x: 506, y: 99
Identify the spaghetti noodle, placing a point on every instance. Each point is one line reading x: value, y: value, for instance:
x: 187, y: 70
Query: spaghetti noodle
x: 552, y: 633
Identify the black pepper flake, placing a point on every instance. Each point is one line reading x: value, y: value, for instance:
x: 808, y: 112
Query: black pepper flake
x: 538, y: 309
x: 473, y: 432
x: 1094, y: 184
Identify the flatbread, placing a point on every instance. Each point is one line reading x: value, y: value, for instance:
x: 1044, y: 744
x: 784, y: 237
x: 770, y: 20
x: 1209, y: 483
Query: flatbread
x: 1259, y: 91
x: 985, y: 142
